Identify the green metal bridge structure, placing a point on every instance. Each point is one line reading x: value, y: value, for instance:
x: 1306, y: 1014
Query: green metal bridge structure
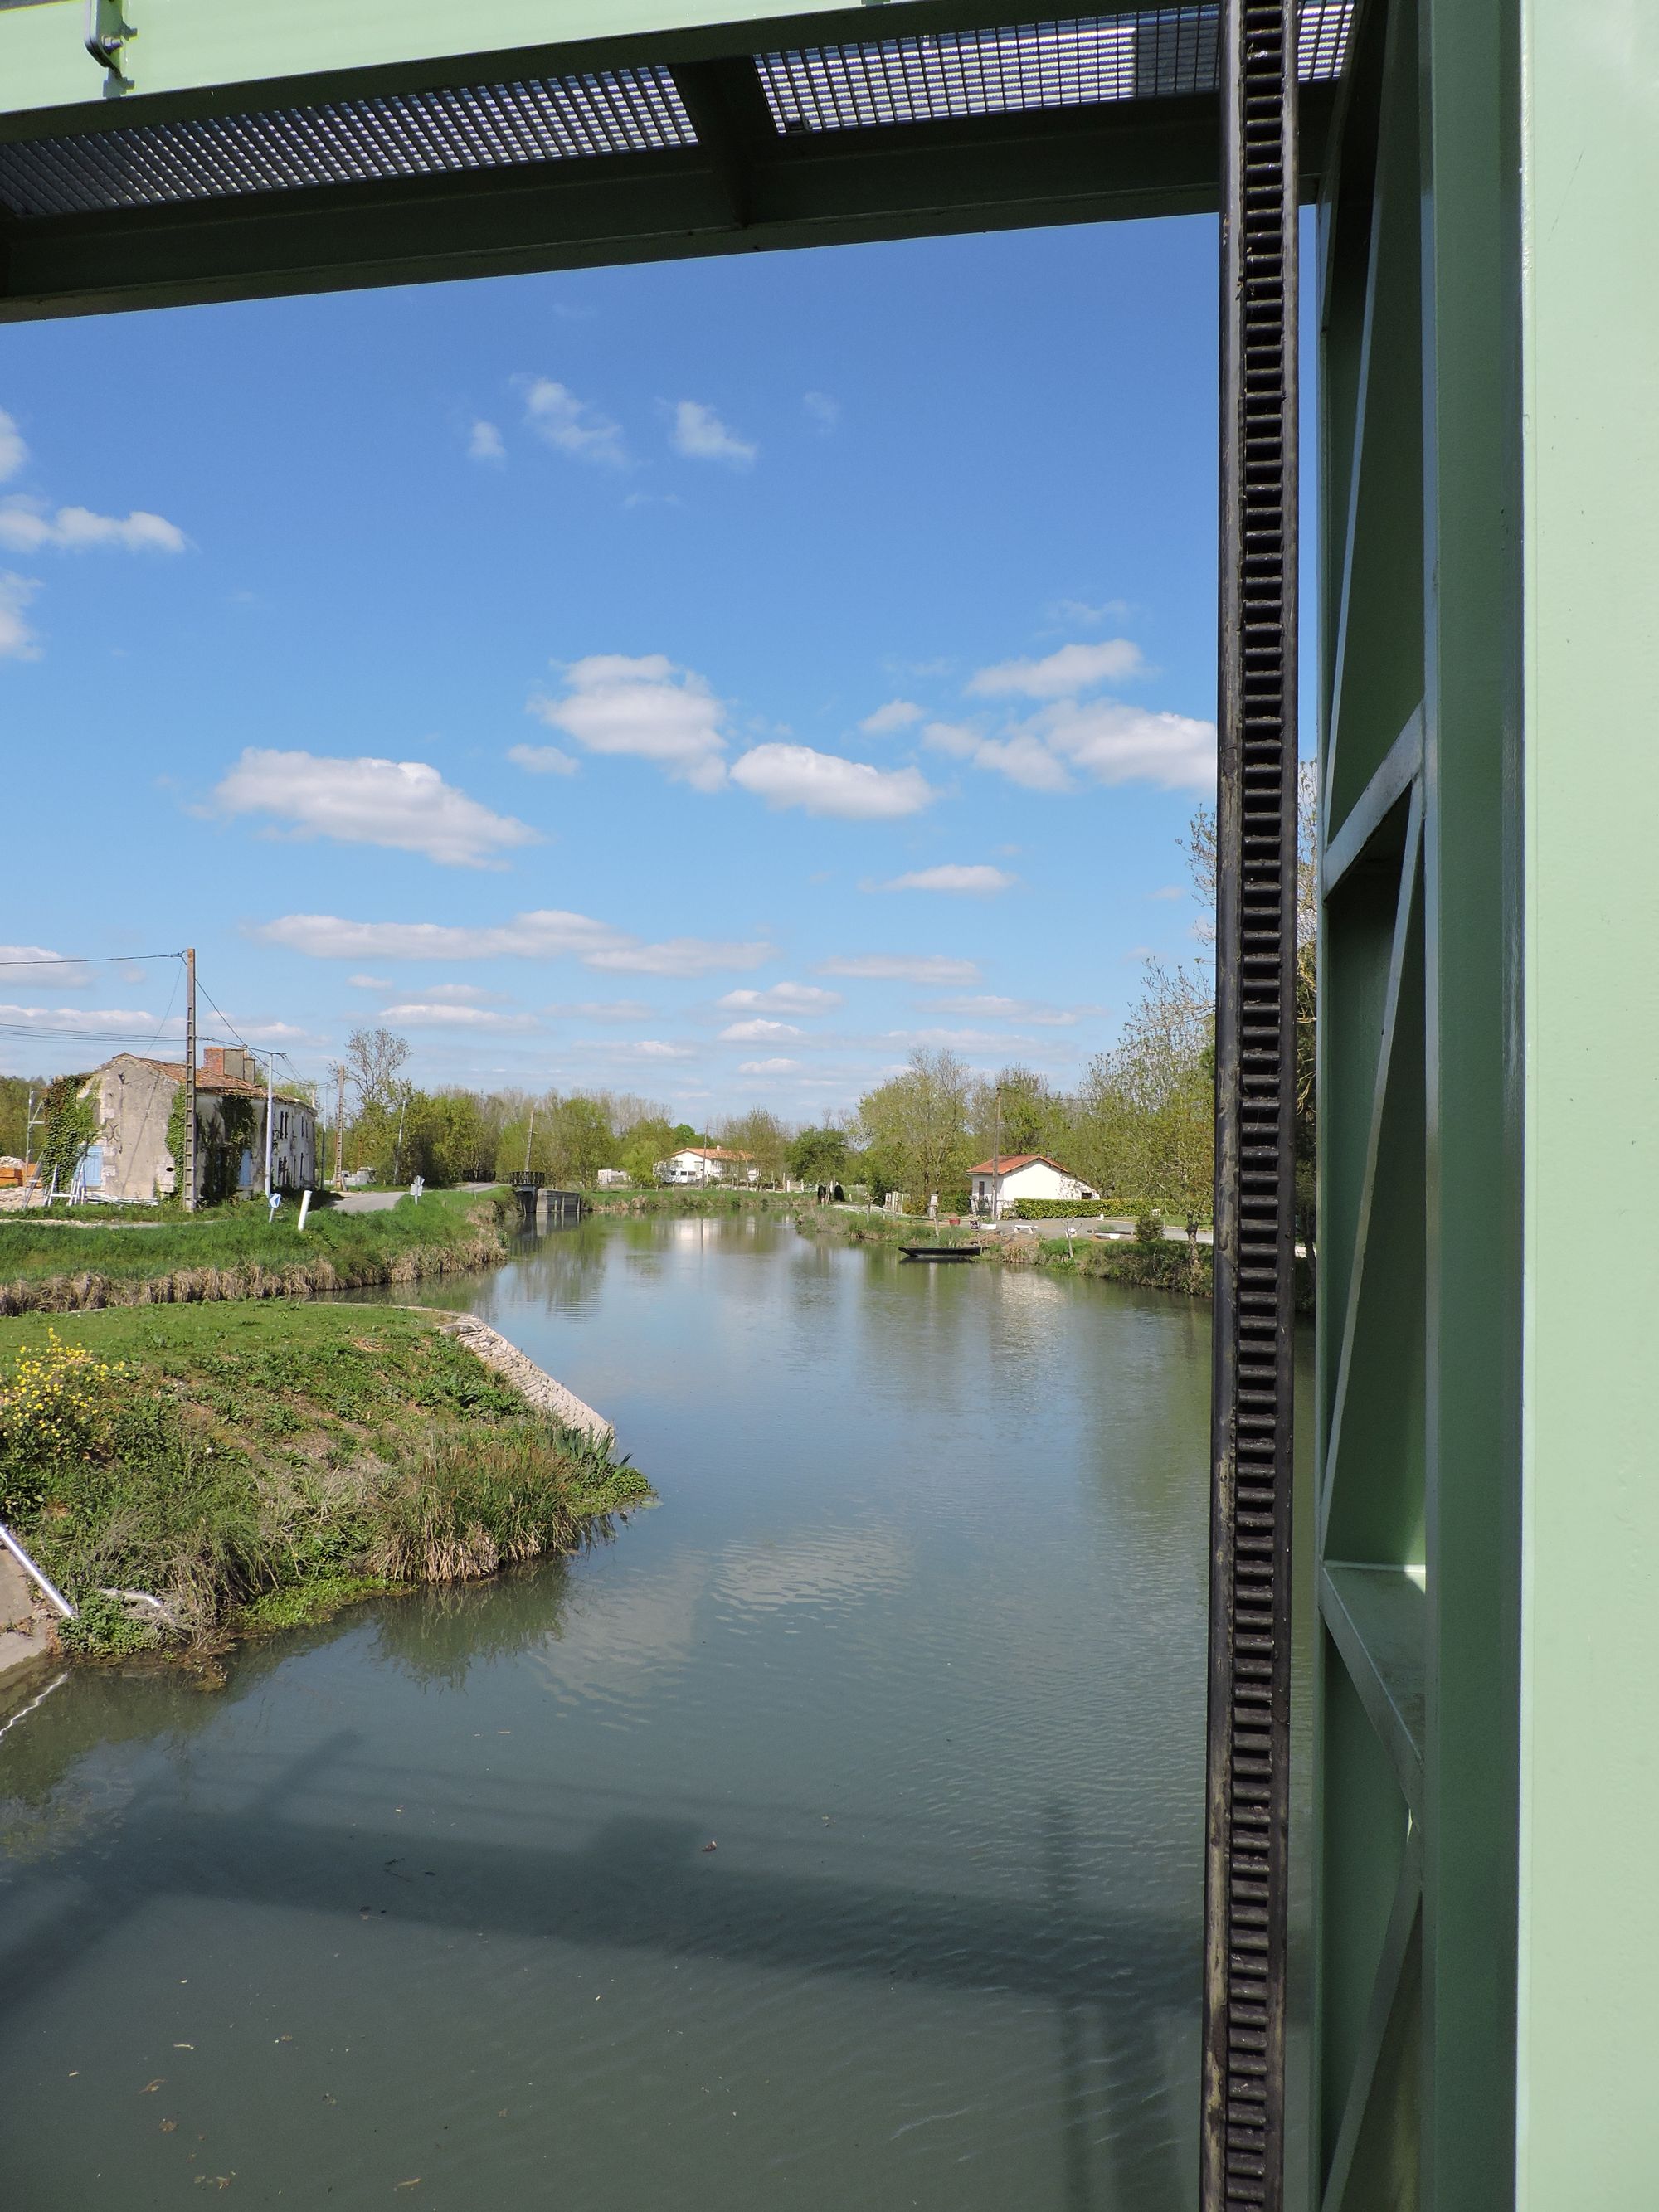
x: 1482, y: 1542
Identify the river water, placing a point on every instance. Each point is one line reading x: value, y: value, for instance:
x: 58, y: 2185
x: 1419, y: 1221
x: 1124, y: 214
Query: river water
x: 831, y: 1838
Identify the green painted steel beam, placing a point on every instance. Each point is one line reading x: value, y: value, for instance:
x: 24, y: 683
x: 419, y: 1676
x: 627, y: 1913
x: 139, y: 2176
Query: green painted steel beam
x: 737, y: 195
x: 1588, y: 771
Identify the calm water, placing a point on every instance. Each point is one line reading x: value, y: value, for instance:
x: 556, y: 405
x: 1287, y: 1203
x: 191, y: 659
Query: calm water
x: 915, y: 1637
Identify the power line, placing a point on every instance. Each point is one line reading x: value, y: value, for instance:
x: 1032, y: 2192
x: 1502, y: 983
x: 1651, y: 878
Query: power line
x: 86, y: 959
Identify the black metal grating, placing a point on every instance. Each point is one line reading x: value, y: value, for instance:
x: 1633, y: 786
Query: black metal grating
x: 418, y: 134
x: 933, y: 77
x: 1246, y: 1916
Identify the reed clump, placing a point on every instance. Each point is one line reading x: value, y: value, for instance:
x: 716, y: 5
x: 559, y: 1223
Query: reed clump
x: 257, y: 1468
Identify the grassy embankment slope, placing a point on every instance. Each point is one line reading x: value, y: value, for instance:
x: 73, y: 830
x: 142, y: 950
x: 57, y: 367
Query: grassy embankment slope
x: 255, y: 1467
x: 237, y: 1252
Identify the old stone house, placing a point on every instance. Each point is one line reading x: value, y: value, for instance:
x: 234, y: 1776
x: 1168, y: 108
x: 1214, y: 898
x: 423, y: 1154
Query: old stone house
x: 136, y: 1106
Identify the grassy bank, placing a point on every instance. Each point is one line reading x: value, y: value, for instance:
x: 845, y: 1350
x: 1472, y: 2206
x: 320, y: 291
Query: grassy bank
x: 717, y: 1198
x: 238, y: 1252
x: 256, y: 1467
x: 1169, y: 1264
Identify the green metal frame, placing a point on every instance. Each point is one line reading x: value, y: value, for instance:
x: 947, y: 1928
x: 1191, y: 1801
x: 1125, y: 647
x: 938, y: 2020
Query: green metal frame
x: 1487, y: 1939
x: 1420, y: 1371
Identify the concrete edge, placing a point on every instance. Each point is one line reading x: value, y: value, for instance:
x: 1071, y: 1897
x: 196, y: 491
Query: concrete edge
x: 534, y: 1384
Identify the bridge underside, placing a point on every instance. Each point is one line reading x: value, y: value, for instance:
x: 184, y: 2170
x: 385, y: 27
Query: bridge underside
x: 648, y: 145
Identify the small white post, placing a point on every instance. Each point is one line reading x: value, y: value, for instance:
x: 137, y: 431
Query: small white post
x: 305, y: 1208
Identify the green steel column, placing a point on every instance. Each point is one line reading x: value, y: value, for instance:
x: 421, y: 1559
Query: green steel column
x: 1469, y: 51
x: 1588, y: 2122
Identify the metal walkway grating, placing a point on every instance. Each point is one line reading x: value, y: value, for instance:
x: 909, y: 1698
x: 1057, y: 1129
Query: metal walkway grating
x: 1145, y: 54
x: 934, y: 77
x: 402, y: 135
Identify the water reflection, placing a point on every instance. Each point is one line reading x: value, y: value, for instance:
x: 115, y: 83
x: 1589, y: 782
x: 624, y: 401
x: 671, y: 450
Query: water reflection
x: 914, y: 1641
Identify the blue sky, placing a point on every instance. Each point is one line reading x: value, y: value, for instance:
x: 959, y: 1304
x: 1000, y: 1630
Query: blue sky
x: 707, y: 680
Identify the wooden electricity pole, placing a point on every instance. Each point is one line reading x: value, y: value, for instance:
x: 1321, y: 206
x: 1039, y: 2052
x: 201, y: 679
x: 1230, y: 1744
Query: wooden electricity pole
x: 339, y: 1125
x: 190, y: 1080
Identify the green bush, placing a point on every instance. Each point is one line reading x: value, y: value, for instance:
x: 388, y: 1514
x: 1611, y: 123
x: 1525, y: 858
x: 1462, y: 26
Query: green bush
x: 1149, y: 1226
x: 1050, y: 1209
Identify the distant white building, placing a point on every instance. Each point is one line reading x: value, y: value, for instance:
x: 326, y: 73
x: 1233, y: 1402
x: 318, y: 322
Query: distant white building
x: 1022, y: 1175
x: 701, y: 1163
x: 613, y: 1178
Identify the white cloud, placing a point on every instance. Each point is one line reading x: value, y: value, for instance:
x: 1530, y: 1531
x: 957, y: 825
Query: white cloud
x: 782, y: 999
x: 118, y: 1023
x: 896, y: 714
x: 1116, y: 743
x: 17, y: 640
x: 766, y: 1066
x: 484, y: 443
x: 543, y: 760
x: 1025, y: 760
x: 371, y: 982
x: 988, y: 1008
x: 422, y: 1013
x: 641, y: 1048
x: 1169, y: 892
x: 644, y: 706
x: 823, y: 411
x: 1061, y: 674
x: 405, y: 804
x: 977, y: 879
x: 465, y: 994
x: 546, y: 934
x: 1080, y: 610
x: 48, y: 967
x: 607, y: 1010
x: 571, y: 426
x: 13, y: 450
x: 757, y: 1032
x: 903, y: 968
x: 699, y: 435
x: 27, y: 525
x: 274, y: 1033
x: 824, y: 783
x: 958, y: 1040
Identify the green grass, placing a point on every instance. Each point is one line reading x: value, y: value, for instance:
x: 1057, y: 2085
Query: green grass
x: 238, y: 1252
x: 257, y: 1465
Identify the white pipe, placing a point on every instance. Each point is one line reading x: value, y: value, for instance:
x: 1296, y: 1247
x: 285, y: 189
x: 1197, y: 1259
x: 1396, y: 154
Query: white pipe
x: 57, y: 1683
x: 34, y: 1573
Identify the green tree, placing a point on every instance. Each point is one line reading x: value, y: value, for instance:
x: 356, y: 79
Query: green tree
x: 1201, y: 866
x: 643, y: 1145
x: 1024, y: 1110
x: 1162, y: 1071
x: 579, y: 1140
x: 914, y: 1127
x: 764, y: 1137
x: 373, y: 1058
x: 818, y: 1156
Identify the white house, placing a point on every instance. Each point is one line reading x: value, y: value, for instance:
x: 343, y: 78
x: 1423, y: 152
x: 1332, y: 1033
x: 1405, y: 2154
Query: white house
x: 1022, y: 1175
x: 700, y: 1163
x: 613, y: 1178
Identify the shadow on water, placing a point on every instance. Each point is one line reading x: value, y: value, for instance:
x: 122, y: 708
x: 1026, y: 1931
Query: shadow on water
x: 945, y: 1576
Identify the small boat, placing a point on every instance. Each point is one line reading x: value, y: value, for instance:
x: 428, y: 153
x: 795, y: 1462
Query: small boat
x: 939, y: 1251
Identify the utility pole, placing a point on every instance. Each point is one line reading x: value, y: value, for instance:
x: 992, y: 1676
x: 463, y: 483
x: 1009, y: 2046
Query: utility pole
x: 339, y: 1125
x: 190, y: 1080
x: 270, y: 1101
x: 996, y: 1159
